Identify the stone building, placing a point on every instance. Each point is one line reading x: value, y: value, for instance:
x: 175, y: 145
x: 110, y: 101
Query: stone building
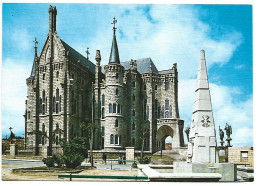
x: 125, y: 99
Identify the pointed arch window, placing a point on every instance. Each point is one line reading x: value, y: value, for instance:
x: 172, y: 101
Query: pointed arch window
x: 167, y: 85
x: 111, y: 139
x: 103, y: 100
x: 57, y: 74
x: 133, y: 126
x: 43, y: 95
x: 43, y: 108
x: 116, y: 75
x: 116, y: 123
x: 170, y: 112
x: 162, y: 111
x: 110, y: 108
x: 103, y: 113
x: 57, y: 108
x: 133, y: 112
x: 117, y: 91
x: 40, y: 105
x: 166, y: 104
x: 57, y: 94
x: 60, y: 104
x: 116, y: 139
x: 155, y: 87
x: 133, y: 83
x: 103, y: 131
x: 53, y: 105
x: 43, y: 76
x: 114, y: 108
x: 29, y: 115
x: 166, y: 114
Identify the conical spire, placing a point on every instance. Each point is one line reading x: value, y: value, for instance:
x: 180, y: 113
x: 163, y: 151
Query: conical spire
x: 35, y: 58
x: 114, y: 54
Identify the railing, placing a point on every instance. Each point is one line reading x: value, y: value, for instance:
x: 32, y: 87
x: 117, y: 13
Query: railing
x: 70, y: 176
x: 119, y: 162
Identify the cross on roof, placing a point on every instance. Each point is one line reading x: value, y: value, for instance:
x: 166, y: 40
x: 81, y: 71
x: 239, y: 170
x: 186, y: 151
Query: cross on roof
x: 114, y: 22
x: 10, y: 128
x: 35, y: 42
x: 87, y: 52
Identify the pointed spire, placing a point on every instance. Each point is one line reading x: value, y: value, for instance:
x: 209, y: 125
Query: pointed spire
x: 114, y: 54
x: 35, y: 58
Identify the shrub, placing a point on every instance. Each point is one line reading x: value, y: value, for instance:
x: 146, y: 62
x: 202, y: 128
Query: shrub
x: 73, y: 160
x: 145, y: 160
x: 58, y: 160
x: 77, y: 145
x: 49, y: 162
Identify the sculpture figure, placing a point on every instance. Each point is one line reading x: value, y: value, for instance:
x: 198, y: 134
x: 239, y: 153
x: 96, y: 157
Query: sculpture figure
x: 228, y: 130
x: 221, y: 135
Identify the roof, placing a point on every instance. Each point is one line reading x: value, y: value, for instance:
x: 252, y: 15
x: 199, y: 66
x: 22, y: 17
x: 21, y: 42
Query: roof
x: 165, y: 71
x: 78, y: 57
x: 33, y: 67
x: 114, y: 54
x: 143, y: 65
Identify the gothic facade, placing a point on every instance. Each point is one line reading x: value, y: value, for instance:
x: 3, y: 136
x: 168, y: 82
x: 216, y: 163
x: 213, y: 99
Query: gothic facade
x: 127, y: 100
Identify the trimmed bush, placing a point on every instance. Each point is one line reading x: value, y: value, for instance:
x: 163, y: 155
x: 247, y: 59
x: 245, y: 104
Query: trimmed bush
x: 145, y: 160
x: 73, y: 160
x: 58, y: 160
x: 49, y: 162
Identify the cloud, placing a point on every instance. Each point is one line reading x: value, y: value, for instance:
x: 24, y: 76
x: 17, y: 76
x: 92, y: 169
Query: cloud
x: 164, y: 34
x: 14, y: 74
x: 225, y: 109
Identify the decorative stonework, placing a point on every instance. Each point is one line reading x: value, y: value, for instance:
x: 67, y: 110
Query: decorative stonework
x: 205, y: 121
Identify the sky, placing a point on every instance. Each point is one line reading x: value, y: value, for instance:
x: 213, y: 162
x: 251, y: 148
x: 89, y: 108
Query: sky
x: 166, y: 33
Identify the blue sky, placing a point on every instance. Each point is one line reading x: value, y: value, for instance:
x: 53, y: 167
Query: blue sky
x: 166, y: 33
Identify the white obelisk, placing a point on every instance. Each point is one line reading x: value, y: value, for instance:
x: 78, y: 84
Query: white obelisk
x: 202, y: 147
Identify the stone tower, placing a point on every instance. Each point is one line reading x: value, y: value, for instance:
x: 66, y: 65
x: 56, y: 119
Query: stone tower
x: 114, y: 97
x: 202, y: 144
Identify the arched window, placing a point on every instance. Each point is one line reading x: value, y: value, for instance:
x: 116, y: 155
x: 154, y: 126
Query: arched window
x: 133, y: 84
x: 110, y: 108
x: 103, y: 131
x: 103, y: 100
x: 57, y: 74
x: 133, y: 141
x: 117, y: 91
x: 43, y: 128
x: 133, y: 113
x: 57, y: 108
x: 57, y: 140
x: 166, y: 85
x: 40, y: 105
x: 60, y: 104
x: 57, y: 94
x: 118, y: 108
x: 166, y: 104
x: 170, y: 112
x: 166, y: 114
x: 162, y: 111
x: 116, y: 123
x: 111, y: 139
x: 116, y: 75
x: 114, y: 108
x: 116, y: 139
x: 103, y: 113
x: 29, y: 115
x: 133, y: 126
x: 43, y: 108
x: 43, y: 95
x: 53, y: 105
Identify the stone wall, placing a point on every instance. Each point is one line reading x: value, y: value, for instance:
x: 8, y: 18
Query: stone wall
x: 241, y: 155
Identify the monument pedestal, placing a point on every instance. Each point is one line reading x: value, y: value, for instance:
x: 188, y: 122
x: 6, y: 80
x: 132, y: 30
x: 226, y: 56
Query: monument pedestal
x: 227, y: 170
x: 13, y: 150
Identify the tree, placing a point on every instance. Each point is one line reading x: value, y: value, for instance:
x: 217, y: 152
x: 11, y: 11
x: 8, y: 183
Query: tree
x: 144, y: 131
x: 89, y: 129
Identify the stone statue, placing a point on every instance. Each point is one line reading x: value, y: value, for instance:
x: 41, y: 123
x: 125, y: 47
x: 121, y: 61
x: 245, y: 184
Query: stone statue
x: 12, y: 136
x: 187, y: 131
x: 221, y: 135
x: 228, y: 130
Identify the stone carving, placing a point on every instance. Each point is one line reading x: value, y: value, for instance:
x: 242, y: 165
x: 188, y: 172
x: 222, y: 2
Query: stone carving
x: 12, y: 136
x: 228, y: 130
x: 221, y: 135
x: 187, y: 131
x: 205, y: 121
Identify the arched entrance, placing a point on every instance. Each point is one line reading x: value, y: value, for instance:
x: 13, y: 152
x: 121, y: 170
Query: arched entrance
x: 163, y: 132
